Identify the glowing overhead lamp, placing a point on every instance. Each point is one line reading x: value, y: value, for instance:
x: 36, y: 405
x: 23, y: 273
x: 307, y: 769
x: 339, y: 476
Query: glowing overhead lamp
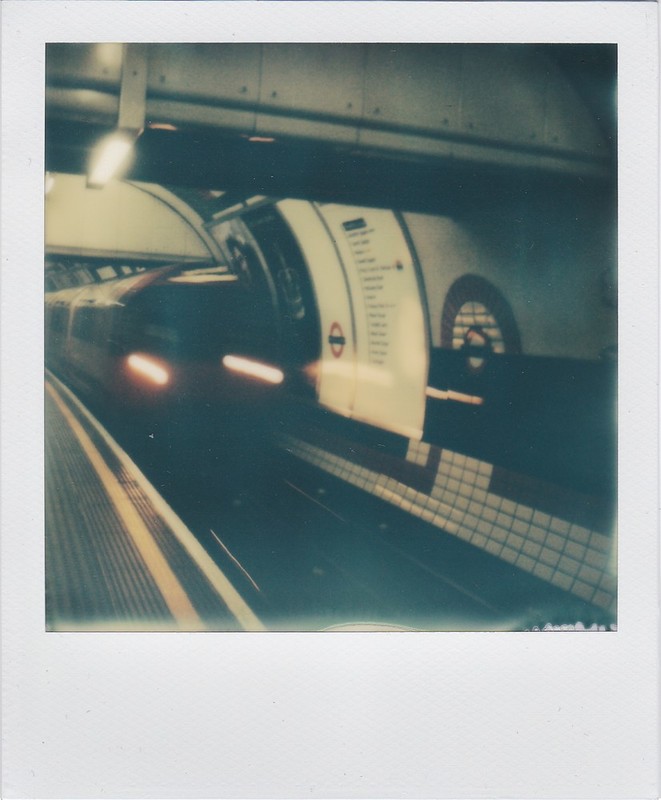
x: 108, y: 55
x: 162, y: 126
x: 112, y: 155
x: 110, y: 158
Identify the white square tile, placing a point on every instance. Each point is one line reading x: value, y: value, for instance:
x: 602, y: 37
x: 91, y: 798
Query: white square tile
x: 523, y: 513
x: 508, y: 507
x: 493, y: 547
x: 531, y: 549
x: 595, y: 559
x: 602, y: 599
x: 562, y: 580
x: 478, y: 540
x: 504, y: 520
x: 589, y: 575
x: 541, y: 518
x: 543, y: 571
x: 600, y: 542
x: 555, y: 541
x: 509, y: 555
x: 583, y: 590
x: 525, y: 562
x: 550, y: 557
x: 476, y: 509
x: 568, y: 565
x: 579, y: 534
x: 575, y: 550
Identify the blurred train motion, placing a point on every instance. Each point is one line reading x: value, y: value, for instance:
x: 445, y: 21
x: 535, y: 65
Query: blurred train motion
x: 460, y: 368
x: 161, y: 339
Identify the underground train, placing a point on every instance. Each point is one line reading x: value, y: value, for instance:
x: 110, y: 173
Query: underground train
x: 161, y: 340
x: 462, y: 368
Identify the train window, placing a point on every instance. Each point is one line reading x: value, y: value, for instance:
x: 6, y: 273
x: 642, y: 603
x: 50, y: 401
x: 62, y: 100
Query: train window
x: 161, y: 333
x: 83, y: 276
x: 243, y: 260
x: 58, y: 319
x: 284, y: 260
x: 291, y: 289
x: 89, y: 325
x: 182, y: 320
x: 83, y: 324
x: 106, y: 273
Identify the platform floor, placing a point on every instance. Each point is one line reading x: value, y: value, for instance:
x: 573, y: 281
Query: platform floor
x: 117, y: 556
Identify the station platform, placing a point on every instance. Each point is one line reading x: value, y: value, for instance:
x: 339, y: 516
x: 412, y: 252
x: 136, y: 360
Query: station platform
x: 117, y: 556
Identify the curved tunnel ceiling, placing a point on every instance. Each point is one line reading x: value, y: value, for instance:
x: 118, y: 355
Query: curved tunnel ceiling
x: 419, y: 127
x: 136, y: 220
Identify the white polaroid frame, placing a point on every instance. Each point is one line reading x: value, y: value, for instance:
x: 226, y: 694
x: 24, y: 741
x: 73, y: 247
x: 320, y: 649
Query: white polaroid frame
x: 451, y: 715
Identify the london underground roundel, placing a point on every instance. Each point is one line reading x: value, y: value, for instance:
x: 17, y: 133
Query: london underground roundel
x: 336, y: 339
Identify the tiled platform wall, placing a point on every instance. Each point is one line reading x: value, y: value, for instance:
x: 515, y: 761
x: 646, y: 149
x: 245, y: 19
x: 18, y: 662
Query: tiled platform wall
x: 465, y: 497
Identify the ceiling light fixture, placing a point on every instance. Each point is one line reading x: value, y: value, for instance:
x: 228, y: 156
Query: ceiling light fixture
x: 110, y: 157
x: 162, y: 126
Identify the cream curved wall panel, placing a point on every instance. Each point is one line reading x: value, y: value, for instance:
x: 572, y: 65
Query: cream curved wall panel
x: 119, y: 219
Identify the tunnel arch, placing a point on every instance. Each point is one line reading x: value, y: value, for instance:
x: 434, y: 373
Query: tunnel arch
x: 138, y: 222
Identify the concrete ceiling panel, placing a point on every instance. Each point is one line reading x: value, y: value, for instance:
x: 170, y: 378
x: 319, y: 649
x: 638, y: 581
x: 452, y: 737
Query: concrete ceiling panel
x: 319, y: 79
x: 216, y: 73
x: 330, y: 105
x: 413, y: 85
x: 91, y: 65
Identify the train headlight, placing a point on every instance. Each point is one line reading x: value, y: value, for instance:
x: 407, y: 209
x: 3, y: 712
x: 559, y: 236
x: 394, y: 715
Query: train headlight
x: 148, y: 368
x: 254, y: 369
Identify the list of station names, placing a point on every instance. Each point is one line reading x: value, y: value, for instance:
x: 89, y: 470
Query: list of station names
x: 384, y: 297
x: 378, y: 275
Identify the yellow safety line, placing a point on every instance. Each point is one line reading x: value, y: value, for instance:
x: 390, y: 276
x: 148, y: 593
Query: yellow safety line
x: 173, y: 592
x: 214, y: 575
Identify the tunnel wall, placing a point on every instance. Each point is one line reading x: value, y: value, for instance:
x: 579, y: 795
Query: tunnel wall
x: 556, y: 268
x: 515, y: 451
x: 561, y: 537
